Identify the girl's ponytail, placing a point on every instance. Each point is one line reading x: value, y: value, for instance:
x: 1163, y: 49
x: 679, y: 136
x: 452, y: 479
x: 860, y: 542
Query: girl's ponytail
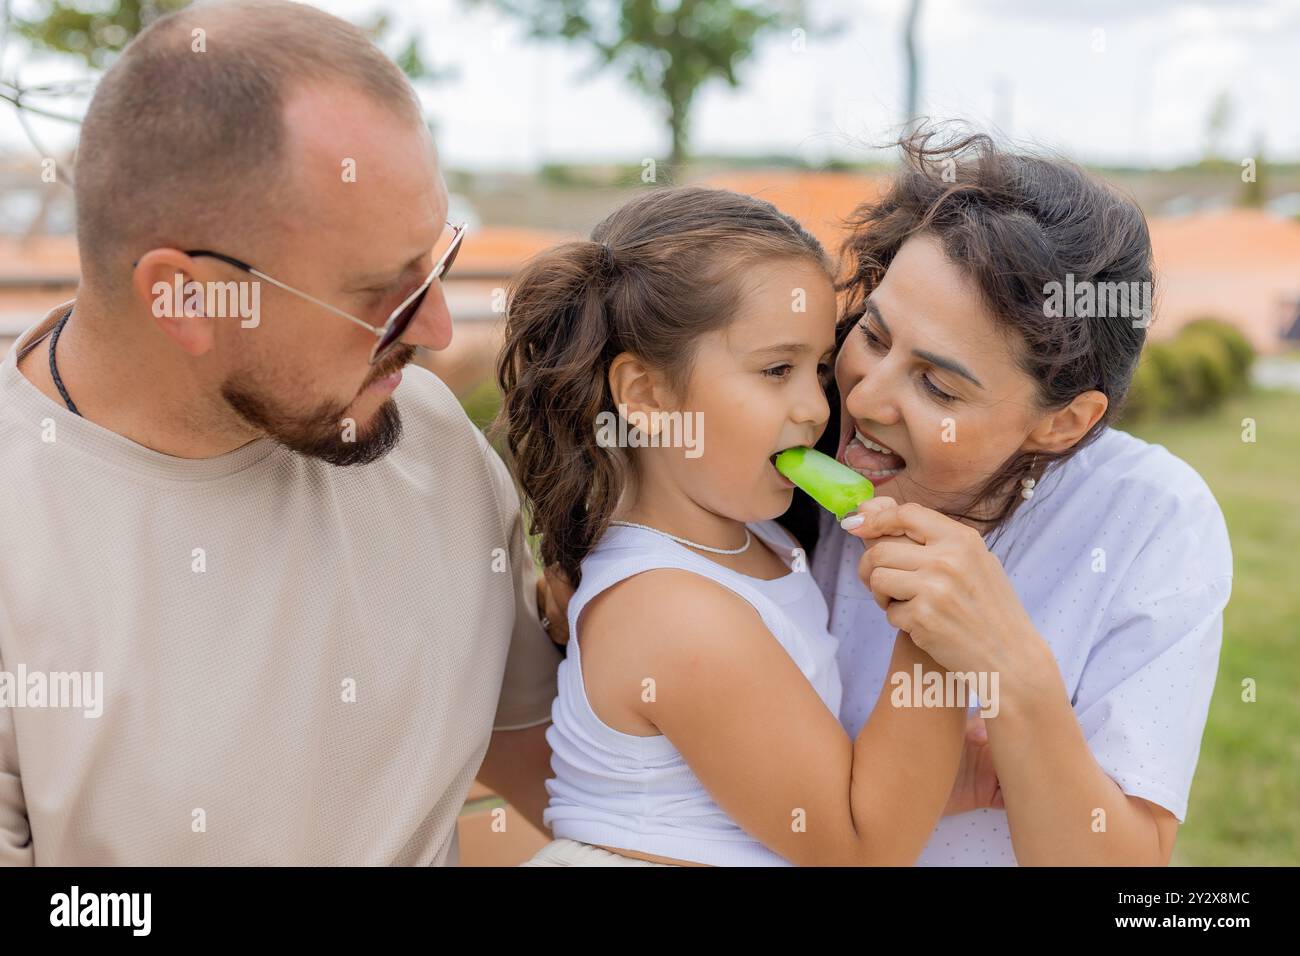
x: 552, y: 373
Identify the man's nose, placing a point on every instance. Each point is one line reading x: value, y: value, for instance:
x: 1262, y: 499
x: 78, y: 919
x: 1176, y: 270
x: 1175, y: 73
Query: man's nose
x: 431, y: 327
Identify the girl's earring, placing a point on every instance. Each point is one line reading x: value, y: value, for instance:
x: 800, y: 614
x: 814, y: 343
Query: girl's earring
x: 1027, y: 484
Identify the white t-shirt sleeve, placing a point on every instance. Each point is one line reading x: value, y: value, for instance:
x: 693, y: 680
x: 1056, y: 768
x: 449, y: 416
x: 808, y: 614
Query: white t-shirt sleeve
x: 1144, y: 693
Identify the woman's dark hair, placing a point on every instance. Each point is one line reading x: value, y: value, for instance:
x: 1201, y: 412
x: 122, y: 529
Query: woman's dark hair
x: 1014, y: 223
x: 656, y: 275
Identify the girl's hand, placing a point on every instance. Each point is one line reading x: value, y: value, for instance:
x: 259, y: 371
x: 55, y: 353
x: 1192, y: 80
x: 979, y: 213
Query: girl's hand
x: 935, y: 579
x: 976, y: 785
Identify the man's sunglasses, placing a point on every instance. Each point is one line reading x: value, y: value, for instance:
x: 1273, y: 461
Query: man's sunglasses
x: 390, y: 333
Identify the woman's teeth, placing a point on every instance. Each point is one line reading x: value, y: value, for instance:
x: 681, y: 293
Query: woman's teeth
x: 872, y: 459
x: 870, y: 444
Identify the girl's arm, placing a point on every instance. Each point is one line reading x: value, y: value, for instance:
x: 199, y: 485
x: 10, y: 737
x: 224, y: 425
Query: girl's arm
x: 695, y: 660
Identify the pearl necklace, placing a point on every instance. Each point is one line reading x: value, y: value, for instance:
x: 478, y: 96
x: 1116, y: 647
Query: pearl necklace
x: 703, y: 547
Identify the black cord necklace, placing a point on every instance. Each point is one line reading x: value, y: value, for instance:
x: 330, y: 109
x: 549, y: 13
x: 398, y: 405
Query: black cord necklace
x: 54, y: 367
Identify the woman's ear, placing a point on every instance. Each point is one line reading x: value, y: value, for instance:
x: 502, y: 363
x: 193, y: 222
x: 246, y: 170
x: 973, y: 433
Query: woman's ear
x: 1060, y: 430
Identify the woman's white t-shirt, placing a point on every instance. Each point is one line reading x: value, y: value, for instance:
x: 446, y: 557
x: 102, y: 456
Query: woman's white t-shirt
x: 1122, y: 560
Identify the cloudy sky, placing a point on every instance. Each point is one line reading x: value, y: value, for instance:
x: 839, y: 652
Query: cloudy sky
x: 1111, y: 81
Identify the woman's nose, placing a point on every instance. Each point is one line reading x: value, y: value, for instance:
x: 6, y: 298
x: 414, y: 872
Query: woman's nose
x: 874, y: 397
x: 431, y: 326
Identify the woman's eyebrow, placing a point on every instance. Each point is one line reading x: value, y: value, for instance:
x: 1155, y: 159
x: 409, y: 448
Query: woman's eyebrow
x: 951, y: 365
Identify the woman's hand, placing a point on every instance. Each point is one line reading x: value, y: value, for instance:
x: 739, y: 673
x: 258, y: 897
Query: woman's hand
x: 976, y: 785
x: 935, y: 578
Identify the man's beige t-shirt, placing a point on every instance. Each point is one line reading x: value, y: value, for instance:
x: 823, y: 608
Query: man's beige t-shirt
x: 301, y: 663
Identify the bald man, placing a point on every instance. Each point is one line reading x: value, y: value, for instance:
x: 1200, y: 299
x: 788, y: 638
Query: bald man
x: 265, y: 596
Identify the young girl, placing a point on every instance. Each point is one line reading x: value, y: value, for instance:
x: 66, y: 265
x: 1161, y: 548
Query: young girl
x: 696, y: 721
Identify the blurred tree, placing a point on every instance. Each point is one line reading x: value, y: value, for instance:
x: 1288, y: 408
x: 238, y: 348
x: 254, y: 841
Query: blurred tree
x: 1253, y: 190
x: 95, y: 35
x: 912, y: 76
x: 1216, y: 126
x: 668, y: 48
x: 96, y: 32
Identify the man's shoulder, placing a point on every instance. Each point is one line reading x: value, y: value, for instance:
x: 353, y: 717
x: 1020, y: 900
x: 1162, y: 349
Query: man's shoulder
x: 428, y: 395
x: 441, y: 441
x: 433, y: 419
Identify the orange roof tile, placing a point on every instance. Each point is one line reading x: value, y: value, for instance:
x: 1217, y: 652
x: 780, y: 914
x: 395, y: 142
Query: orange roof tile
x: 819, y: 200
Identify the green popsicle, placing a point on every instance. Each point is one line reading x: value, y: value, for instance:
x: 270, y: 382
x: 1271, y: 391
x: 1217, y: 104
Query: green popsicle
x: 837, y: 488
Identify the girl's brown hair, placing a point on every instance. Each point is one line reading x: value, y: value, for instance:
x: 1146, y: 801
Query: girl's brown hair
x: 1014, y: 223
x: 656, y: 275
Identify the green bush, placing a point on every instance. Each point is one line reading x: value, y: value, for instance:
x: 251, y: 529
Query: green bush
x: 1238, y: 346
x: 1212, y: 370
x: 1146, y: 393
x: 1207, y: 361
x: 1178, y: 381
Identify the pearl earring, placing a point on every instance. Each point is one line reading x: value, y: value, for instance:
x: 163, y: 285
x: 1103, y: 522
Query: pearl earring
x: 1027, y: 484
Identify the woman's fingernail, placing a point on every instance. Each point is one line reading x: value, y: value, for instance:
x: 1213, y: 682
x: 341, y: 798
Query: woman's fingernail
x: 852, y: 521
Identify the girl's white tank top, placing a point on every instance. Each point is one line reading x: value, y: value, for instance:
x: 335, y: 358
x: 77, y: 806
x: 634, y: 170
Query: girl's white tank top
x: 638, y: 793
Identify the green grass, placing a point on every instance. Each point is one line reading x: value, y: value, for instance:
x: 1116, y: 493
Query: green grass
x: 1245, y: 802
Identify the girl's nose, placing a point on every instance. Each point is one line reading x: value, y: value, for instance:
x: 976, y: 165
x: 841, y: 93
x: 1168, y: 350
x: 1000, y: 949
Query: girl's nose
x: 812, y: 406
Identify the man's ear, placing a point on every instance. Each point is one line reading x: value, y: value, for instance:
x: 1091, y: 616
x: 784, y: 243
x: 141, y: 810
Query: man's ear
x: 1060, y: 430
x: 165, y: 283
x: 636, y: 387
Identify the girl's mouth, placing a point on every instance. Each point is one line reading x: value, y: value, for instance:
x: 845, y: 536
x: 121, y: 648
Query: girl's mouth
x: 779, y: 477
x: 871, y: 459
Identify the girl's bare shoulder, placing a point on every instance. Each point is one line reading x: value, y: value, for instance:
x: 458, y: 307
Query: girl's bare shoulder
x: 656, y: 624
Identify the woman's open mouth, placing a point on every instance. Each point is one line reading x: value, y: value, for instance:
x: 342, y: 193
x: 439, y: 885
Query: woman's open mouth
x: 872, y: 459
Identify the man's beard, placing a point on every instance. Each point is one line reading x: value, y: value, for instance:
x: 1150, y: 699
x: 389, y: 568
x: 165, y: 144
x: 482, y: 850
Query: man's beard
x: 324, y: 433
